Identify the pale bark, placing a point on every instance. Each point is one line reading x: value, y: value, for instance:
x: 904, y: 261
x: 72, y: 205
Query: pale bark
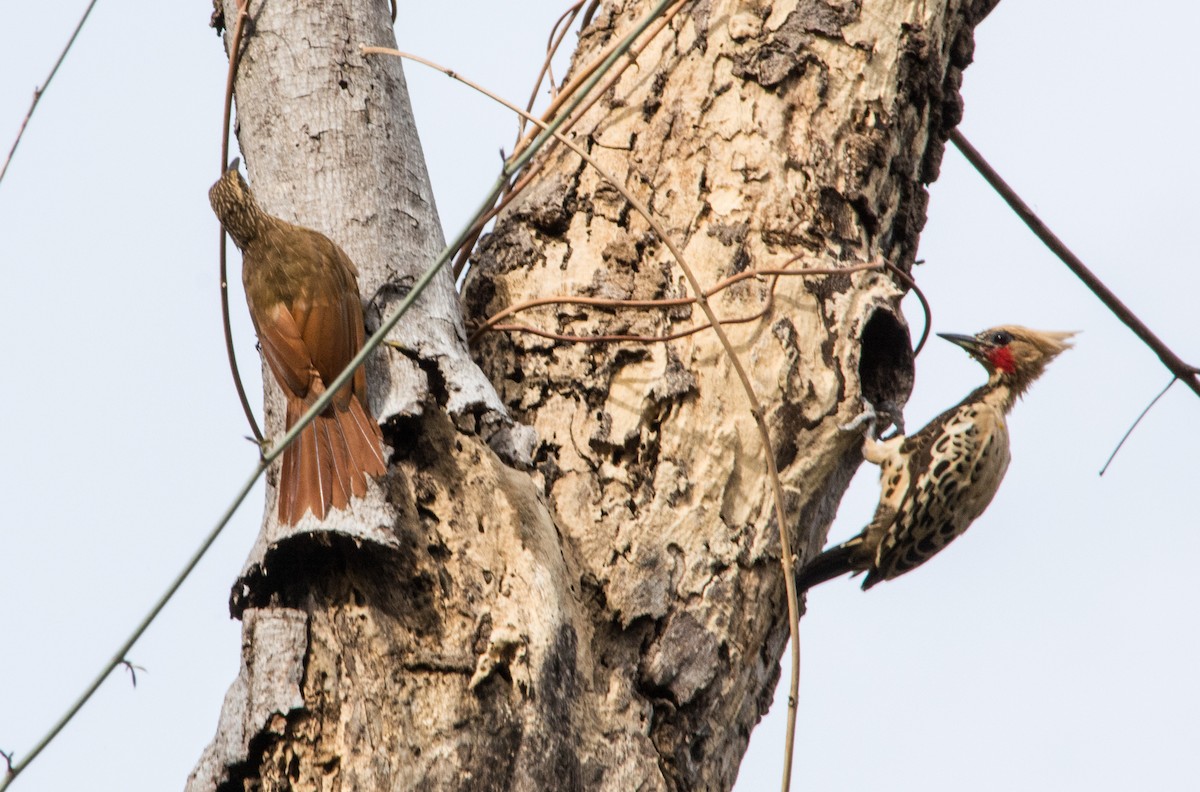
x: 614, y: 617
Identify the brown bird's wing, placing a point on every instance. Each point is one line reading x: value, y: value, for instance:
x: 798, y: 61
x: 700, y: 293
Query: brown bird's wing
x: 308, y: 337
x: 352, y: 306
x: 285, y: 349
x: 328, y: 315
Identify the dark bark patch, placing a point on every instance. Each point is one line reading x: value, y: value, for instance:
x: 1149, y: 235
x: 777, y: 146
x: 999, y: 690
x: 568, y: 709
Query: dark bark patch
x: 683, y: 660
x: 789, y: 424
x: 547, y: 205
x: 269, y: 754
x: 654, y: 100
x: 789, y: 421
x: 729, y: 234
x: 553, y: 758
x: 676, y: 384
x: 641, y: 587
x: 837, y: 217
x: 784, y: 54
x: 488, y: 754
x: 827, y: 19
x: 332, y: 569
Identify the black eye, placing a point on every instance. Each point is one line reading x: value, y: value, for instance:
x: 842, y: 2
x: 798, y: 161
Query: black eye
x: 1001, y: 338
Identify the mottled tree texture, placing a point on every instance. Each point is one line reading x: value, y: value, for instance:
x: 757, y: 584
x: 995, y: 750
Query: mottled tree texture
x: 938, y: 481
x: 302, y: 290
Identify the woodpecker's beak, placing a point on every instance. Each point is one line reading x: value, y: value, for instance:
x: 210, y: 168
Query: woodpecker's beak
x: 969, y: 343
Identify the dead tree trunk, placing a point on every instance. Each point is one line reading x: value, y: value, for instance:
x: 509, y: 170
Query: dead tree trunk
x: 613, y: 616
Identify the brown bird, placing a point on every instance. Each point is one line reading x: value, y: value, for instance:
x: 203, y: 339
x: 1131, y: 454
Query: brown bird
x: 936, y: 482
x: 303, y: 295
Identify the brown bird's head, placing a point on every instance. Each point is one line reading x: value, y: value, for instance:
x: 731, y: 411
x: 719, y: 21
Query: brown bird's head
x: 1014, y: 356
x: 235, y: 206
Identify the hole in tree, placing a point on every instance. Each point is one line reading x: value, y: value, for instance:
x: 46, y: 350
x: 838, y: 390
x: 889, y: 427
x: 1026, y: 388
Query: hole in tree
x: 885, y: 369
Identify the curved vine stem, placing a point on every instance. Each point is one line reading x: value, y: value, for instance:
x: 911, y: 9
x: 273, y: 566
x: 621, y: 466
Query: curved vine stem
x: 235, y: 55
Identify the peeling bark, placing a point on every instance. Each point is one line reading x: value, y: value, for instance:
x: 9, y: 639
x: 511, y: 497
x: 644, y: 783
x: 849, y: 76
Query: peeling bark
x: 613, y: 618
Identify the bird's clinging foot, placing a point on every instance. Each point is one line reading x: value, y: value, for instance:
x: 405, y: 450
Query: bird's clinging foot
x: 888, y: 410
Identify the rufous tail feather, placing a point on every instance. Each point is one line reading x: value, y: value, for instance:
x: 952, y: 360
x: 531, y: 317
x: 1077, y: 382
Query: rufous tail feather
x: 329, y: 462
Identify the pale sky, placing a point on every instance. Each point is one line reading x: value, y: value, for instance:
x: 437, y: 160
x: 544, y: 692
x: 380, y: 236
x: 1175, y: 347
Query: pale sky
x: 1053, y: 647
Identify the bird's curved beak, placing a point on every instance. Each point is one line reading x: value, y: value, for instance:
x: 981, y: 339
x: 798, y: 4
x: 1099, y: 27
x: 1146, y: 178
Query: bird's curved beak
x: 969, y: 343
x: 234, y: 163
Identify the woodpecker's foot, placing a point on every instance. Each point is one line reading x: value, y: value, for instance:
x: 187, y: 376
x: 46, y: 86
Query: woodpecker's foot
x: 866, y: 417
x: 894, y: 415
x: 870, y: 417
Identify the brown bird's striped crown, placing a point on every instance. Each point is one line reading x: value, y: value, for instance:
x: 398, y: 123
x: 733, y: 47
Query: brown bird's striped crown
x: 236, y: 207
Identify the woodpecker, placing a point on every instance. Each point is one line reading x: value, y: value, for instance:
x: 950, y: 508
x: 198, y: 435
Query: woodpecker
x: 936, y: 482
x: 302, y: 290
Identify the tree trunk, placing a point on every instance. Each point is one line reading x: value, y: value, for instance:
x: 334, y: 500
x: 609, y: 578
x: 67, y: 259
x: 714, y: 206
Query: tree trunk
x: 613, y: 617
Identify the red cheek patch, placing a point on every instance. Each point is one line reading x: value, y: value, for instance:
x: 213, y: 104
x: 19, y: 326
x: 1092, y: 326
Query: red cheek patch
x: 1002, y: 359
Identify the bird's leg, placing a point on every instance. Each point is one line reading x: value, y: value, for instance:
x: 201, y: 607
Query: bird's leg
x: 867, y: 417
x: 894, y: 413
x: 875, y: 449
x: 888, y: 410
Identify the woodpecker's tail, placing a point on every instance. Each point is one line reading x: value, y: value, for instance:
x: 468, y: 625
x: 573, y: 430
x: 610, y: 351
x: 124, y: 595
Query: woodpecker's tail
x: 834, y: 562
x: 330, y: 461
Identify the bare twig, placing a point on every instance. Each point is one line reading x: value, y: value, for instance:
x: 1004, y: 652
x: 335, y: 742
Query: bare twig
x: 118, y: 658
x: 577, y: 106
x: 557, y: 33
x: 492, y: 322
x: 912, y: 284
x: 38, y: 92
x: 132, y: 669
x: 569, y: 90
x: 1185, y: 373
x: 1125, y: 437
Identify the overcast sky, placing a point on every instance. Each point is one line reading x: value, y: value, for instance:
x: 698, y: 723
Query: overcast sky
x: 1054, y: 647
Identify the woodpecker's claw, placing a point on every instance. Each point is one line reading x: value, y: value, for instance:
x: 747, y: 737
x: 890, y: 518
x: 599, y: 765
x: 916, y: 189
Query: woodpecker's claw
x: 867, y: 416
x: 895, y: 415
x: 887, y: 410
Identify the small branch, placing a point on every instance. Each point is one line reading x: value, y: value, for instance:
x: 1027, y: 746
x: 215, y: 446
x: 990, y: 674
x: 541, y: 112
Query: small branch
x: 132, y: 669
x: 492, y: 322
x: 581, y: 85
x: 38, y: 92
x: 557, y: 33
x: 585, y: 81
x: 912, y: 284
x: 1149, y: 406
x: 1184, y: 372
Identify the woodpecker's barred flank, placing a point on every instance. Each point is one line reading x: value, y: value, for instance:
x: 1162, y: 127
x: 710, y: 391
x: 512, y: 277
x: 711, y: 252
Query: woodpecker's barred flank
x: 936, y: 482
